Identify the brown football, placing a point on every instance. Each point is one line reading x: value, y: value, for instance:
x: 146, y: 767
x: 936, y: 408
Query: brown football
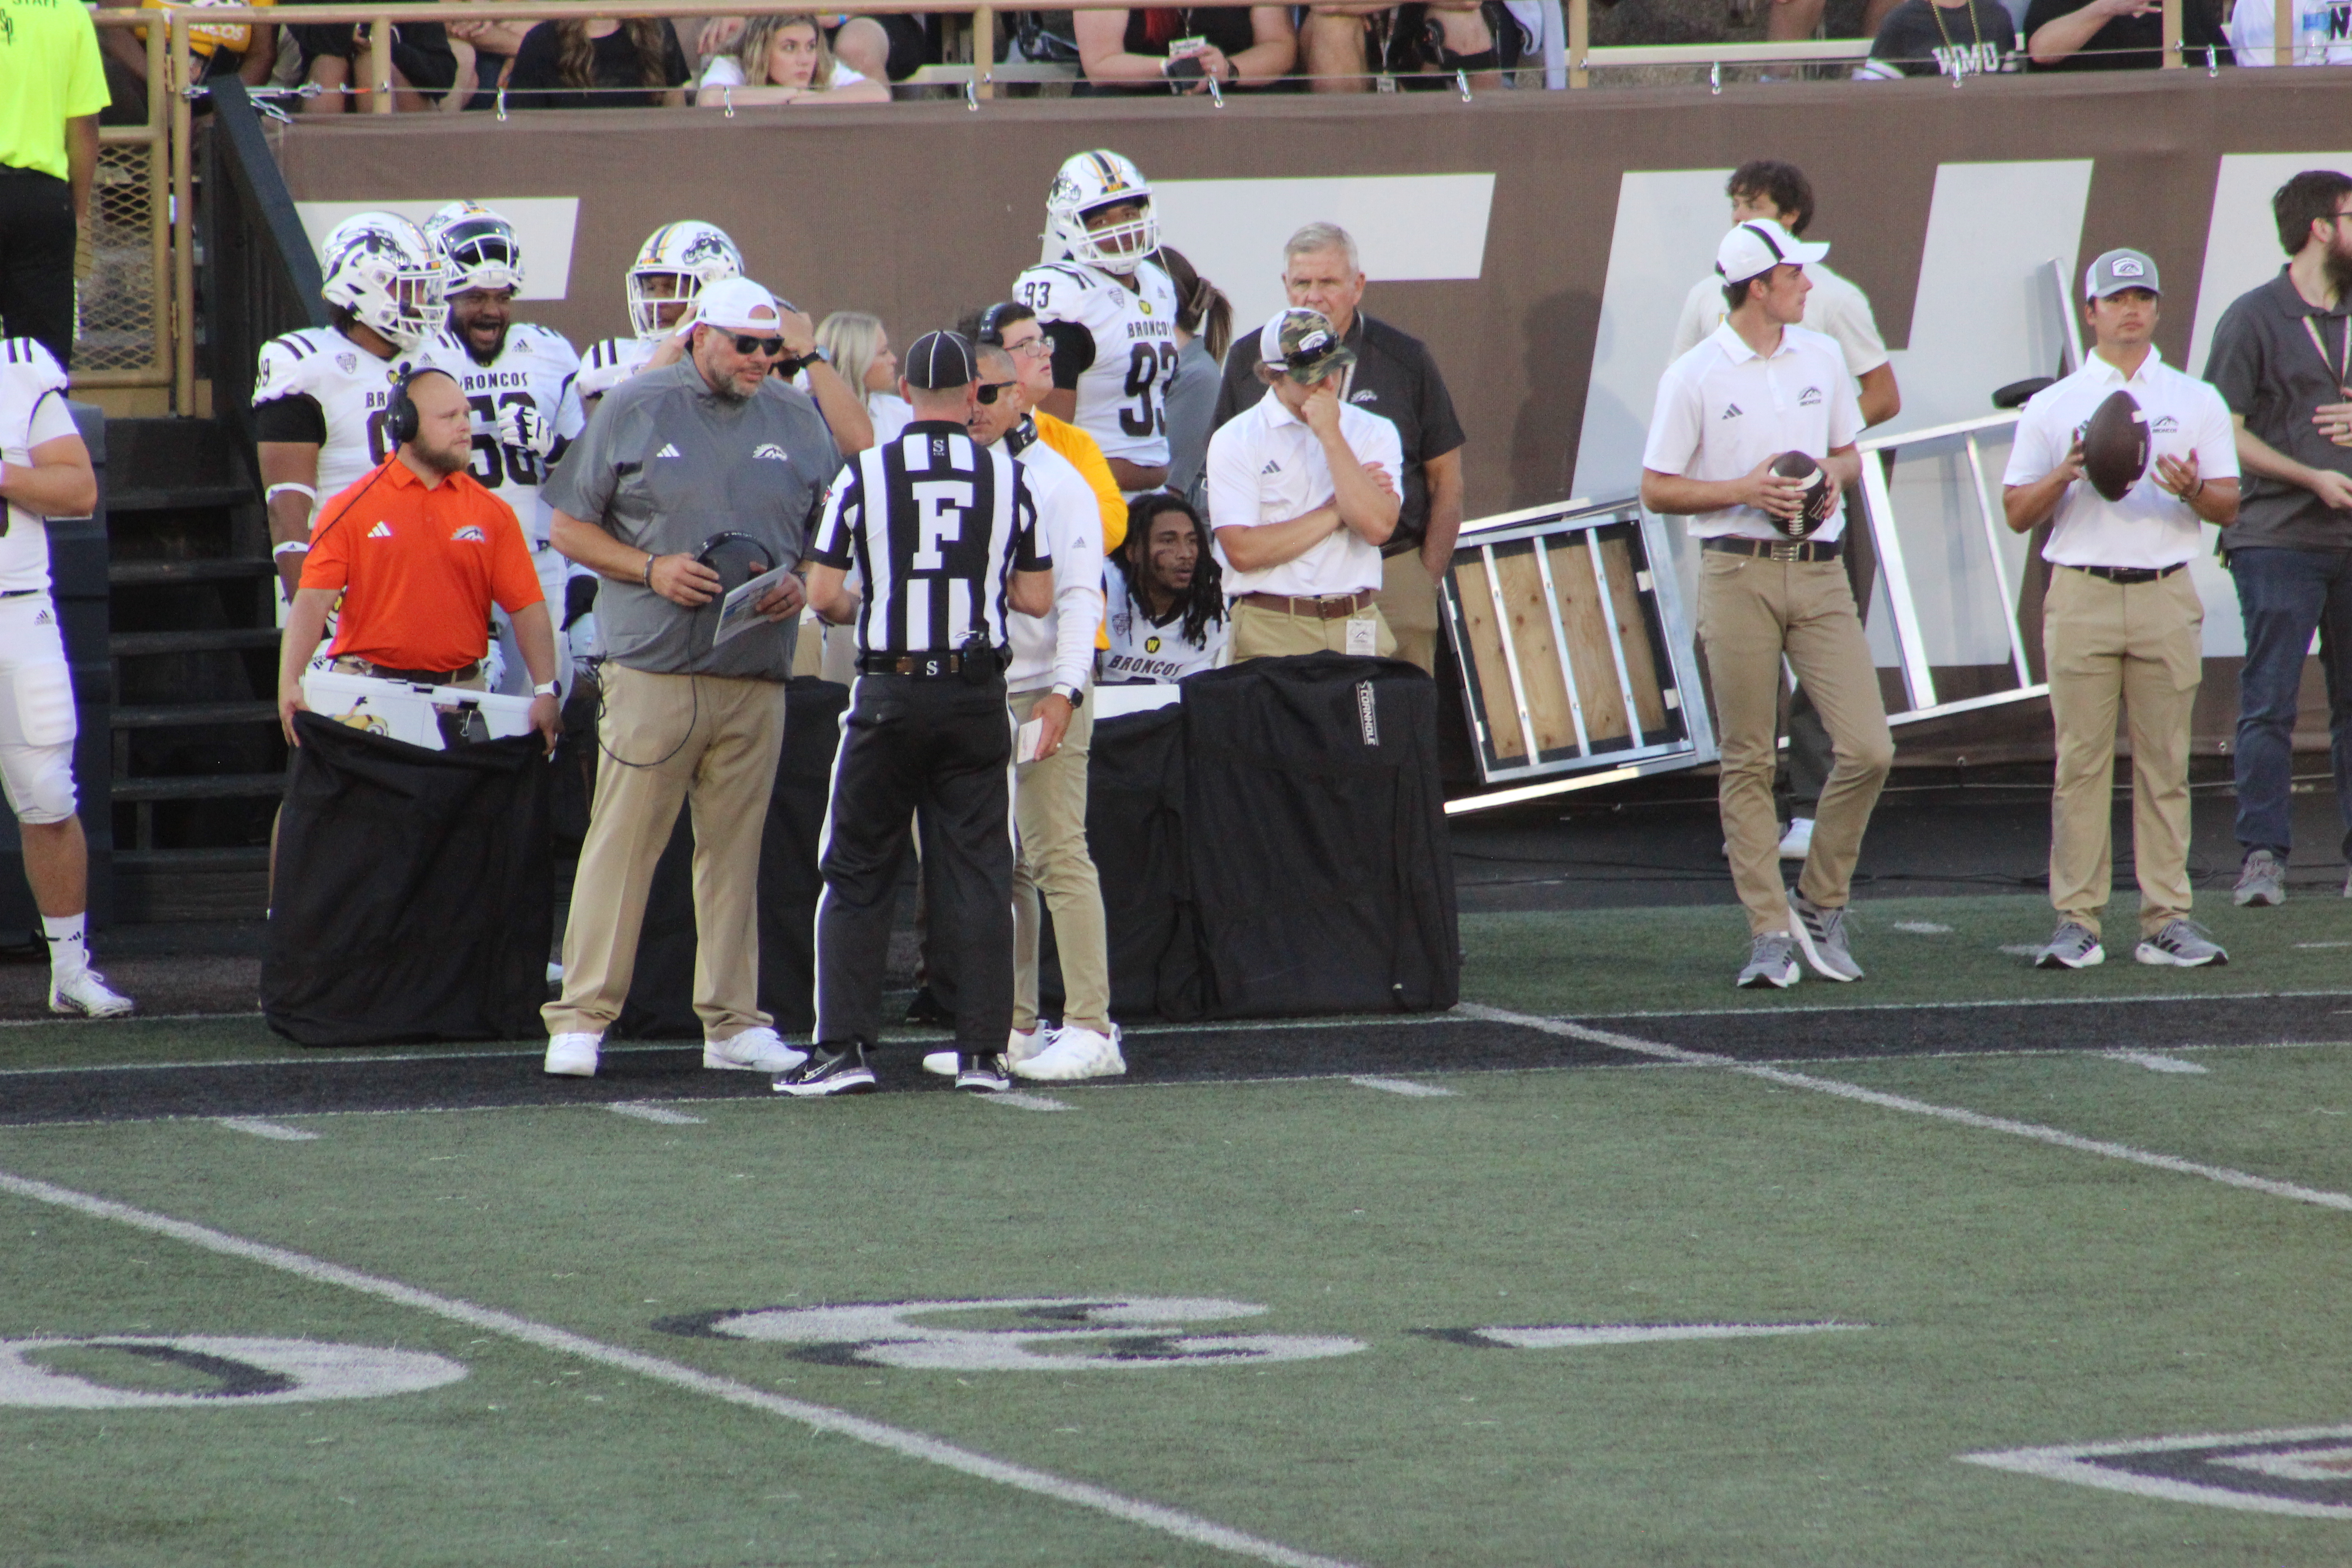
x: 1819, y: 495
x: 2115, y: 446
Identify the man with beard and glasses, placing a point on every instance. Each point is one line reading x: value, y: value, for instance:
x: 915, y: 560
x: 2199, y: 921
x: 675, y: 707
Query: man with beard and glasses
x: 520, y: 382
x: 713, y: 457
x: 2282, y: 360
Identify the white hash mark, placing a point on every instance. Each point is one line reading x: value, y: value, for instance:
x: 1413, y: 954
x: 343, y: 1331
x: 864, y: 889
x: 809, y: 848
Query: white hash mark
x: 1404, y: 1086
x: 255, y: 1128
x: 644, y: 1112
x: 2152, y: 1061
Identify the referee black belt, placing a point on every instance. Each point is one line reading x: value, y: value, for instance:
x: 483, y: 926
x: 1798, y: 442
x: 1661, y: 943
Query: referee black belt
x: 931, y: 664
x: 424, y: 676
x: 2130, y: 573
x: 1778, y: 549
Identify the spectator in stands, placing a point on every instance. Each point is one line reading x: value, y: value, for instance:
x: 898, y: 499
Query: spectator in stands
x: 784, y: 59
x: 1165, y: 598
x: 860, y: 351
x: 1941, y: 37
x: 334, y: 59
x: 603, y: 63
x: 1204, y: 330
x: 2115, y: 35
x: 2319, y: 33
x: 220, y: 50
x: 1343, y: 42
x: 1394, y: 376
x: 878, y: 48
x: 1165, y: 49
x: 485, y: 54
x: 52, y: 86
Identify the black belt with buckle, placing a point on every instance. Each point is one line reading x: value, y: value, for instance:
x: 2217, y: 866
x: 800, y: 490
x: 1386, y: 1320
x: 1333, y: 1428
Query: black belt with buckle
x: 924, y: 664
x: 1777, y: 549
x: 424, y: 676
x: 2130, y: 574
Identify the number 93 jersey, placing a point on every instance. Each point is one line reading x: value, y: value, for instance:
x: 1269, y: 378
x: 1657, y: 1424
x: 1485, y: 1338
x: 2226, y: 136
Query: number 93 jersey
x: 1125, y: 348
x: 537, y: 369
x: 317, y: 386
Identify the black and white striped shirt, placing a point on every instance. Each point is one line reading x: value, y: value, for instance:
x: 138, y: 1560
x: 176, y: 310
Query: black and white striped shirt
x: 936, y: 526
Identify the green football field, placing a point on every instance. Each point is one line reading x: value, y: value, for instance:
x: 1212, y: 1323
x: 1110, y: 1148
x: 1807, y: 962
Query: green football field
x: 1732, y: 1280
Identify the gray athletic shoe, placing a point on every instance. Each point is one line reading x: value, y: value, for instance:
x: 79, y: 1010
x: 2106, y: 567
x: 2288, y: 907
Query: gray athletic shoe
x: 2262, y: 880
x: 2181, y: 944
x: 1820, y: 933
x: 2070, y: 946
x: 1771, y: 961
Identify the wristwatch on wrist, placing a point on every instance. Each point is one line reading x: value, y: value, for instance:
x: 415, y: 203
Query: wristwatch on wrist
x: 548, y: 689
x: 1074, y: 696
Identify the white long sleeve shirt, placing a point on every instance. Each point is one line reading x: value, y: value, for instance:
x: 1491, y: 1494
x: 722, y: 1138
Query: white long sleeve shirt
x: 1058, y: 649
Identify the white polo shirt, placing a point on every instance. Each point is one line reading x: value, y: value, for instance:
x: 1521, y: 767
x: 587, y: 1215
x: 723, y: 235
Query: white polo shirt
x: 1835, y: 306
x: 1723, y: 408
x: 2149, y: 527
x: 1266, y: 466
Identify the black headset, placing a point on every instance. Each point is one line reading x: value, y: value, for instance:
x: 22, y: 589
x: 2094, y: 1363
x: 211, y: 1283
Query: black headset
x: 401, y: 419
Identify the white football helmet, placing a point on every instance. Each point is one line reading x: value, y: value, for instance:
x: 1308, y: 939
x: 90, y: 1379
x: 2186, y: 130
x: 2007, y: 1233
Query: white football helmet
x: 478, y: 246
x: 673, y: 265
x: 1101, y: 179
x: 382, y: 269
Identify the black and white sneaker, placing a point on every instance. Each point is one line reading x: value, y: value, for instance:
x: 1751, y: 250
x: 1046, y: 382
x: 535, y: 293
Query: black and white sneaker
x: 830, y: 1071
x: 982, y: 1075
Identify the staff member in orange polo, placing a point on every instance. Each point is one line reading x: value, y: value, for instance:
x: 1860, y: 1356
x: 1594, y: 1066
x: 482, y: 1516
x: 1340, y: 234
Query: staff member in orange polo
x: 419, y: 552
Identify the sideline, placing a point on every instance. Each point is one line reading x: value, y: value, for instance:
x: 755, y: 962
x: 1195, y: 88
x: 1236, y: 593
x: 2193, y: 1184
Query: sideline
x: 2034, y: 1130
x: 817, y: 1417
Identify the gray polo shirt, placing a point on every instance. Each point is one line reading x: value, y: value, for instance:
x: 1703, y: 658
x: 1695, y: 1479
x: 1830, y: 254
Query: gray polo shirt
x: 666, y: 463
x: 2267, y: 370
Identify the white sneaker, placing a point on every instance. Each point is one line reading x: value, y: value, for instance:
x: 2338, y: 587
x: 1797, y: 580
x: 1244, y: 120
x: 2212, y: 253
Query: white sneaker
x: 1019, y: 1047
x: 1074, y: 1053
x: 86, y: 992
x: 1798, y: 842
x: 572, y: 1056
x: 753, y: 1050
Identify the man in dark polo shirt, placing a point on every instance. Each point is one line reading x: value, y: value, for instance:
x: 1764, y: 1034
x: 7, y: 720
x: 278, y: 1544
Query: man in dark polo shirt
x: 1394, y: 377
x: 2282, y: 360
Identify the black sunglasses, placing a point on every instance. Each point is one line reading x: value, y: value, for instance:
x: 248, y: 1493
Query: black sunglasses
x: 745, y: 344
x: 989, y: 389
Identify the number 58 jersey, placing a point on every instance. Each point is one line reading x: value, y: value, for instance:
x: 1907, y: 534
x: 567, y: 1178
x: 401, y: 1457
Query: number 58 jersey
x: 1125, y: 348
x: 537, y: 369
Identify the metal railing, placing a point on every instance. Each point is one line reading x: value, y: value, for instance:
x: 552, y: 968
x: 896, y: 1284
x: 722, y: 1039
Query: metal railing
x: 261, y: 274
x: 123, y: 300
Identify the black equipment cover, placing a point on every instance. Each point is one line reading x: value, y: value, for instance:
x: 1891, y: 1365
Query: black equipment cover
x: 414, y: 898
x: 1315, y: 828
x: 661, y: 994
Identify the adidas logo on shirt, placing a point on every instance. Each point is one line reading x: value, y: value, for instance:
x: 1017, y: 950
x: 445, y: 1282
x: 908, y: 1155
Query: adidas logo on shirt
x: 1731, y: 411
x: 381, y: 531
x: 1271, y: 467
x: 768, y: 450
x: 44, y: 618
x: 469, y: 532
x: 668, y: 451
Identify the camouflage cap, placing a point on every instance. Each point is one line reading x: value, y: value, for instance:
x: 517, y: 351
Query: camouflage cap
x: 1301, y: 344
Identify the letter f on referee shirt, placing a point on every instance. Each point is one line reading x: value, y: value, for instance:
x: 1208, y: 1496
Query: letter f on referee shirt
x: 941, y: 507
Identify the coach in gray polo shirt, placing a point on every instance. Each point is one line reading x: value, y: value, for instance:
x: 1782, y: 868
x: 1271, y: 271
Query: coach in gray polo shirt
x: 673, y: 457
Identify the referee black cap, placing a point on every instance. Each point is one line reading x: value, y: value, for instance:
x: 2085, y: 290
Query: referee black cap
x: 940, y: 362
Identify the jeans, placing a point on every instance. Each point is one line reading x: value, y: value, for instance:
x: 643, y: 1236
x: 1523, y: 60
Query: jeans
x: 2283, y: 594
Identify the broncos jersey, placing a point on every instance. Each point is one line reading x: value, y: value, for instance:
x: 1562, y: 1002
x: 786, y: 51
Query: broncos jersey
x: 32, y: 412
x: 1143, y: 649
x: 608, y: 364
x: 1126, y: 351
x: 538, y: 370
x: 318, y: 386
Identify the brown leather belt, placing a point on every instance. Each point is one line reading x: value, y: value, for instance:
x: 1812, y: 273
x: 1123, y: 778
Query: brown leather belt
x: 424, y: 676
x: 2128, y: 575
x: 1777, y: 549
x: 1328, y: 607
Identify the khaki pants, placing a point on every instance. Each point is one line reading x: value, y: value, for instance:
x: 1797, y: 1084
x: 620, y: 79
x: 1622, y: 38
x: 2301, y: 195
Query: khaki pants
x: 2142, y: 644
x: 712, y: 742
x: 1049, y: 811
x: 1261, y: 633
x: 1751, y: 612
x: 1408, y: 602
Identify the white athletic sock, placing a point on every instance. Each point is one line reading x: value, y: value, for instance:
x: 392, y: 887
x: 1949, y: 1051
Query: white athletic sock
x: 68, y: 946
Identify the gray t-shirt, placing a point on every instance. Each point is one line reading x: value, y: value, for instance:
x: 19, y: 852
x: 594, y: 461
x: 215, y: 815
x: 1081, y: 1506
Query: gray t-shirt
x: 1190, y: 405
x: 665, y: 464
x: 2267, y: 370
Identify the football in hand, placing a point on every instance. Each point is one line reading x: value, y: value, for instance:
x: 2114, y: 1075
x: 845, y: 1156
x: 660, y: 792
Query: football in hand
x: 2115, y: 446
x: 1820, y: 495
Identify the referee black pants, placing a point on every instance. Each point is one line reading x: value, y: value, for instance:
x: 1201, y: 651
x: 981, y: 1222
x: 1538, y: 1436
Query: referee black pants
x: 943, y: 744
x: 36, y: 260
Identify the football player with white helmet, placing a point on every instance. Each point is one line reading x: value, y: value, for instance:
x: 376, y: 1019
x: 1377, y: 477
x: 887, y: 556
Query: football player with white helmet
x: 45, y: 472
x: 1111, y: 314
x: 519, y: 379
x: 319, y: 393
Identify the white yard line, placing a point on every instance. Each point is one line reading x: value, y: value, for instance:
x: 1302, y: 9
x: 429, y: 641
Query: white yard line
x: 255, y: 1126
x: 1404, y: 1086
x: 646, y: 1112
x: 562, y: 1341
x: 1022, y: 1102
x: 1843, y: 1090
x: 2153, y: 1061
x: 1570, y: 1336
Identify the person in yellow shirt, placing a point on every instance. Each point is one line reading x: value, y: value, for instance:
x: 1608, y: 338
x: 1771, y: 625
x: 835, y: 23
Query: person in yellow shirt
x: 52, y: 86
x: 221, y: 50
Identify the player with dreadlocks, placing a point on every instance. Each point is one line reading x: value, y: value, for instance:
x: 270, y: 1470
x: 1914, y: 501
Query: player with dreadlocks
x: 1166, y: 599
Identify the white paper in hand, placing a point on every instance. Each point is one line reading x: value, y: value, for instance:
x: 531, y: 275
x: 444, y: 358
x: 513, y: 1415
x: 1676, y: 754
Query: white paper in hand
x: 1026, y: 741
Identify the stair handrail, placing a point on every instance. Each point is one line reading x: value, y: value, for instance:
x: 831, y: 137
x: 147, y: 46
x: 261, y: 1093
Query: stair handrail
x: 262, y: 277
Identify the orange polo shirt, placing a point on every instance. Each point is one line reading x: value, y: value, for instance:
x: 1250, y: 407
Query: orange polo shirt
x: 418, y: 569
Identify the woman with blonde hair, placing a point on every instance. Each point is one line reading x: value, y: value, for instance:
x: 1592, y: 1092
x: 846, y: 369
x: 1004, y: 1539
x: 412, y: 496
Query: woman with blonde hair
x: 784, y: 59
x: 860, y: 351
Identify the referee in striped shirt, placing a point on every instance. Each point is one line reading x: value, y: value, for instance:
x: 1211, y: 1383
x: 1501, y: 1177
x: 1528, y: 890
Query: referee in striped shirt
x: 944, y: 534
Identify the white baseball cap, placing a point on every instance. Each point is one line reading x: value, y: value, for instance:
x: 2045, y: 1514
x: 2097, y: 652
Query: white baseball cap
x: 1758, y: 245
x: 738, y: 305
